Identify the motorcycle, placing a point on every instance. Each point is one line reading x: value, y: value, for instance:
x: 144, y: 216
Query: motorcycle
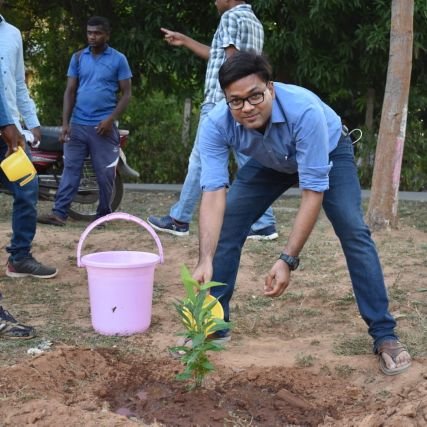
x: 47, y: 158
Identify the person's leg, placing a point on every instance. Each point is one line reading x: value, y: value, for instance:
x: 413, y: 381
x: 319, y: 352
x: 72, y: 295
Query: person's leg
x: 75, y: 152
x: 265, y: 227
x: 181, y: 213
x: 24, y: 220
x: 254, y: 189
x: 24, y: 215
x: 104, y: 153
x: 342, y: 204
x: 183, y: 210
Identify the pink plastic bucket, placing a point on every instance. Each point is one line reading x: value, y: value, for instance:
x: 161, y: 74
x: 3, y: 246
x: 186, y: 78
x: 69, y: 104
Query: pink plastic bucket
x: 120, y: 283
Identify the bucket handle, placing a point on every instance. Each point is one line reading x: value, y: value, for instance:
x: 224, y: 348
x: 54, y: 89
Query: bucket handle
x: 118, y: 215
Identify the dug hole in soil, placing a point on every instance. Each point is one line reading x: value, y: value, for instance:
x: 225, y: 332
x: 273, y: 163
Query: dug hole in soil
x: 83, y: 387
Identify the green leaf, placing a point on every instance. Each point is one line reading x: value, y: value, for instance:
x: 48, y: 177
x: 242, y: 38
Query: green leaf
x: 189, y: 283
x: 211, y: 285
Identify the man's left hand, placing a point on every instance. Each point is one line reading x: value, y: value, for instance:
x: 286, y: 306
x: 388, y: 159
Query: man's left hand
x: 277, y: 279
x: 105, y: 127
x: 37, y: 135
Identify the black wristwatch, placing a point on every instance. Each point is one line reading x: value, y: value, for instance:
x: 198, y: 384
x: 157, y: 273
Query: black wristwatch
x: 292, y: 261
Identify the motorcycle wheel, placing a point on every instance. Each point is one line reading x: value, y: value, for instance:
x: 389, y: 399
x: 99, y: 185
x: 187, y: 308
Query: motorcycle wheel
x: 85, y: 203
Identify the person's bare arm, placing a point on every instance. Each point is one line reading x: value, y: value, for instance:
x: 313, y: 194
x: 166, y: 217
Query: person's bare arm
x: 105, y: 126
x: 211, y: 216
x: 175, y: 38
x: 278, y: 277
x: 67, y: 107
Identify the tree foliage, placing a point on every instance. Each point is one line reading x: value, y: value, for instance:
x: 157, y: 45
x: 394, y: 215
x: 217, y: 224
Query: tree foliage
x: 338, y: 48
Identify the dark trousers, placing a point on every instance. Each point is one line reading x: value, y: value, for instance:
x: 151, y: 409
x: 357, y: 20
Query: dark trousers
x: 24, y: 214
x: 104, y: 153
x: 257, y: 187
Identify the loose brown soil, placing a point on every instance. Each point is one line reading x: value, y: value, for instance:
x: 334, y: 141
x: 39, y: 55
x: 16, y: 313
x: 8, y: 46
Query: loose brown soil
x: 303, y: 359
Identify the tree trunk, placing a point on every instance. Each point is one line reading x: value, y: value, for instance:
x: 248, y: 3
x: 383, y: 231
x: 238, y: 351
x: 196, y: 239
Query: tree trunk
x: 382, y: 210
x: 185, y: 135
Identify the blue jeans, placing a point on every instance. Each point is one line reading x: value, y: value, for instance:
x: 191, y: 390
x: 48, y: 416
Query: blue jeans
x: 190, y: 193
x: 24, y: 214
x: 257, y: 187
x: 104, y: 153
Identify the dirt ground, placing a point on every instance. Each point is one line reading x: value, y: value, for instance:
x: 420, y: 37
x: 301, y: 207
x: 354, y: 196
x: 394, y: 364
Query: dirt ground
x: 303, y: 359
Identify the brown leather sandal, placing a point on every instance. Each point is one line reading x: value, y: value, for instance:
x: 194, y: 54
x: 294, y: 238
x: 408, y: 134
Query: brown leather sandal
x: 393, y: 348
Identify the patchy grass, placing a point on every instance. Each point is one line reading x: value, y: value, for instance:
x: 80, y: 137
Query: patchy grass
x: 305, y: 360
x: 319, y: 299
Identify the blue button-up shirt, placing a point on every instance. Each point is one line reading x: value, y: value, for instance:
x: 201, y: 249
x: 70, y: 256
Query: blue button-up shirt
x: 301, y: 133
x: 17, y: 97
x: 5, y: 117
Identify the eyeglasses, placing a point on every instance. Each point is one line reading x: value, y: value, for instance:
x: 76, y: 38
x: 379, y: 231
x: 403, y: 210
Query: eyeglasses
x: 254, y: 99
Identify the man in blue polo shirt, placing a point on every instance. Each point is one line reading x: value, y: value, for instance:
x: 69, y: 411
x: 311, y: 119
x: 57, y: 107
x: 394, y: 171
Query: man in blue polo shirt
x: 291, y: 136
x: 95, y: 76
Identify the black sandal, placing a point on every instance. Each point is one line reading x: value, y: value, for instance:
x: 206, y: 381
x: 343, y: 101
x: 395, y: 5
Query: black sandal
x: 11, y: 329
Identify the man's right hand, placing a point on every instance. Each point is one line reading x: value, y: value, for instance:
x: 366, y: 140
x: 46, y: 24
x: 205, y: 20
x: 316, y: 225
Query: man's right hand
x: 203, y: 272
x: 64, y: 136
x: 173, y: 38
x: 12, y: 138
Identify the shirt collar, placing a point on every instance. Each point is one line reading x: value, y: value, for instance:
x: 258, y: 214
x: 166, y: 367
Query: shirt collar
x: 107, y: 51
x: 2, y: 19
x: 277, y: 115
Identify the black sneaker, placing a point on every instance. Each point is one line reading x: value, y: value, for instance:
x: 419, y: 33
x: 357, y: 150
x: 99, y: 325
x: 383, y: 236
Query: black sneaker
x: 169, y: 225
x: 11, y: 329
x: 28, y: 266
x: 51, y: 219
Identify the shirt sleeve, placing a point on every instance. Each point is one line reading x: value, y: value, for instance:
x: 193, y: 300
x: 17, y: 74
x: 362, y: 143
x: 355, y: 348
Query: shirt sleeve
x: 73, y: 68
x: 25, y: 104
x: 125, y: 72
x: 229, y: 31
x: 214, y: 152
x: 312, y: 150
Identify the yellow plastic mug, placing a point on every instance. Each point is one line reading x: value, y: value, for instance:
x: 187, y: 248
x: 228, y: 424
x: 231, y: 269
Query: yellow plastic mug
x: 216, y: 312
x: 18, y: 166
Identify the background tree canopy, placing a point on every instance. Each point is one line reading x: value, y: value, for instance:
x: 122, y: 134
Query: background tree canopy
x: 337, y: 48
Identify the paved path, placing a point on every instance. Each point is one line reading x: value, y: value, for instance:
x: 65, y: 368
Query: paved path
x: 403, y: 195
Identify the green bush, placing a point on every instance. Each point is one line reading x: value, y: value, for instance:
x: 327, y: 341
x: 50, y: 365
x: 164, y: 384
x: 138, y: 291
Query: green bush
x: 414, y: 164
x: 155, y: 147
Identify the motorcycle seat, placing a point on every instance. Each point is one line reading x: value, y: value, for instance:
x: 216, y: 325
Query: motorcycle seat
x: 49, y: 141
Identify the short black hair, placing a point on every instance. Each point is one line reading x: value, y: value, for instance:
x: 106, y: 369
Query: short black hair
x: 242, y: 64
x: 99, y: 21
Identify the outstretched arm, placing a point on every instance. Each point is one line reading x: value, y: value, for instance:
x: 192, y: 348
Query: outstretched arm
x: 278, y: 277
x: 211, y: 216
x: 178, y: 39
